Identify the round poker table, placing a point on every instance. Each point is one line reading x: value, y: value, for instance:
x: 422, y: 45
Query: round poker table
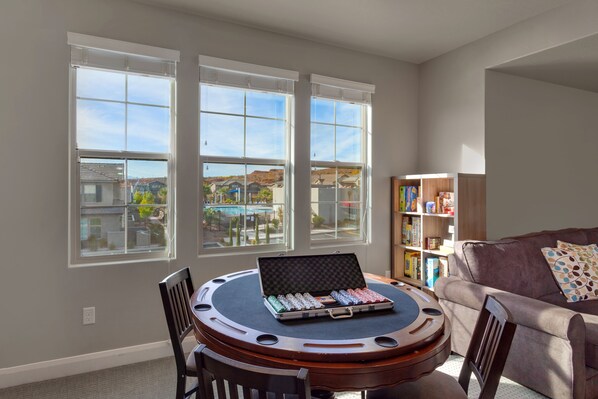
x: 366, y: 351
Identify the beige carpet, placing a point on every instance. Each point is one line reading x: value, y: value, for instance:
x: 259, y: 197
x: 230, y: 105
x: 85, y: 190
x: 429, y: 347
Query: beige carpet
x: 155, y: 380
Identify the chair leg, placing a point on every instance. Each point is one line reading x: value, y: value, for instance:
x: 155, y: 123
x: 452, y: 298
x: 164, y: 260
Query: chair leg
x: 362, y: 394
x: 181, y: 384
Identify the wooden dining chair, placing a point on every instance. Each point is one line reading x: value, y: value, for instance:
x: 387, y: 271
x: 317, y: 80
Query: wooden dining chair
x: 485, y: 358
x: 176, y: 290
x: 229, y: 378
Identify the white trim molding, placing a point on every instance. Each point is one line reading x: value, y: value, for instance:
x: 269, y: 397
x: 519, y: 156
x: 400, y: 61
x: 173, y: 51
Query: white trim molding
x: 118, y: 46
x: 57, y: 368
x: 342, y: 83
x: 250, y: 69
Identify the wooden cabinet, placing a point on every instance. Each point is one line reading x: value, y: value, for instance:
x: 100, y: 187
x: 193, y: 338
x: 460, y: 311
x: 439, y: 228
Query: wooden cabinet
x: 411, y: 227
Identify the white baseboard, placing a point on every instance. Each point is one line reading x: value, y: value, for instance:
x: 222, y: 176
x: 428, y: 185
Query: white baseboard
x: 57, y: 368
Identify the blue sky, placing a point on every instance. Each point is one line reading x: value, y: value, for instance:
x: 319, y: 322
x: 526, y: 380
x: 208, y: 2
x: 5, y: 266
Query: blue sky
x: 103, y: 117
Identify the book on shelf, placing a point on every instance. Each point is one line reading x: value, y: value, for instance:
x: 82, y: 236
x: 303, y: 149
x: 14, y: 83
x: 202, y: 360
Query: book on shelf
x: 432, y: 271
x: 408, y: 199
x: 412, y: 265
x: 446, y: 201
x: 405, y: 222
x: 443, y: 270
x: 416, y: 232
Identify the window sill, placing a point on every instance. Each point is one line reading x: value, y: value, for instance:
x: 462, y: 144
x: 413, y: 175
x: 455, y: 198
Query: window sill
x: 118, y: 262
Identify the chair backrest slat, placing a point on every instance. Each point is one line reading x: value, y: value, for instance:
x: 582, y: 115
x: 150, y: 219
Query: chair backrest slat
x: 489, y: 347
x: 262, y: 380
x: 176, y: 291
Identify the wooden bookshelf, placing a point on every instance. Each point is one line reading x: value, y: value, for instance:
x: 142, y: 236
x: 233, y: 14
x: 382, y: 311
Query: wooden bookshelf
x: 468, y: 220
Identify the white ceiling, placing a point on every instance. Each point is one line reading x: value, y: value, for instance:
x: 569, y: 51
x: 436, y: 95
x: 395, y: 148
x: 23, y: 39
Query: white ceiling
x: 407, y: 30
x: 572, y: 64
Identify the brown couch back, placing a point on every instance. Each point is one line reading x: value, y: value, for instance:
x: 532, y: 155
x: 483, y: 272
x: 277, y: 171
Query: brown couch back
x: 515, y: 264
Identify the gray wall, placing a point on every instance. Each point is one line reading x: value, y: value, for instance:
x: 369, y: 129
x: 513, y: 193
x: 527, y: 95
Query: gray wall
x: 452, y: 103
x: 40, y: 297
x: 541, y: 159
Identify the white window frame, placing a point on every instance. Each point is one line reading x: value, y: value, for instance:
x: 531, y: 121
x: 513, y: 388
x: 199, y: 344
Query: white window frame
x: 142, y: 58
x: 239, y: 75
x: 339, y: 90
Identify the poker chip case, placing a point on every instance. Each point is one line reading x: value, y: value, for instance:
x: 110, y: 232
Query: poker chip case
x: 299, y: 283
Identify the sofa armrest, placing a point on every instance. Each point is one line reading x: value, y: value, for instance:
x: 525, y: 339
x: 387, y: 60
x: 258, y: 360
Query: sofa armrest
x: 551, y: 319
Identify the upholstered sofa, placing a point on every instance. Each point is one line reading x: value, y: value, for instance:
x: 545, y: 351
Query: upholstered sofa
x: 555, y: 349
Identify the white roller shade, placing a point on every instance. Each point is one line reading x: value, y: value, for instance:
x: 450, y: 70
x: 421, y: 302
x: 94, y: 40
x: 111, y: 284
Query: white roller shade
x: 343, y: 90
x: 98, y: 52
x: 224, y: 72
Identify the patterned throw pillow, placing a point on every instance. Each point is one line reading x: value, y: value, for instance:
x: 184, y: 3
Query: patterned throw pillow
x: 575, y: 269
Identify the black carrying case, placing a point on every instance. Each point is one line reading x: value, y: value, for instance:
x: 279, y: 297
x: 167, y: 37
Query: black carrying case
x: 317, y: 275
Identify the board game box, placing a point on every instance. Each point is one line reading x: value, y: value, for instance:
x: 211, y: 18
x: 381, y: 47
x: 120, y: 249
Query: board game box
x: 296, y: 287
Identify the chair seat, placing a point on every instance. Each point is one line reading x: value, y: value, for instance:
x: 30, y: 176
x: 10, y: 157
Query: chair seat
x: 433, y: 386
x: 190, y: 363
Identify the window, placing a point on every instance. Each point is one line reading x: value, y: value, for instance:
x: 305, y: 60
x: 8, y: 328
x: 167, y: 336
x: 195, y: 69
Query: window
x: 122, y: 138
x: 245, y: 136
x: 340, y: 135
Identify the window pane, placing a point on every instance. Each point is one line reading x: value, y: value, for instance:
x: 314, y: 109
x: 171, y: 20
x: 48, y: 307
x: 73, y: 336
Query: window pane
x: 102, y: 231
x: 265, y: 184
x: 349, y: 184
x: 225, y: 195
x: 148, y: 90
x: 322, y: 221
x: 349, y: 219
x: 218, y: 220
x: 102, y: 182
x: 348, y: 114
x: 100, y: 125
x: 222, y: 99
x: 322, y: 110
x: 148, y: 129
x: 323, y: 184
x: 268, y: 105
x: 224, y: 183
x: 221, y: 135
x: 146, y: 227
x: 147, y: 182
x: 322, y: 142
x: 92, y: 83
x: 265, y: 138
x: 348, y: 144
x: 276, y: 224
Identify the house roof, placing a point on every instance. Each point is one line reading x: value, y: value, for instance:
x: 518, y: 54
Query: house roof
x: 101, y: 172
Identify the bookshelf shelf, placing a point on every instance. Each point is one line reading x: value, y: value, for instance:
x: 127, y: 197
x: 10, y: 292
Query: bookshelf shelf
x: 437, y: 215
x: 468, y: 221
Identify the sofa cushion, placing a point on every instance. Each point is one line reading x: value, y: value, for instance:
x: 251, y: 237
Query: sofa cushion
x: 506, y: 265
x: 574, y: 270
x: 592, y: 235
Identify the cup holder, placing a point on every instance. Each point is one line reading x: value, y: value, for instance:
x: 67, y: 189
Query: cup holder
x: 397, y: 283
x: 432, y: 311
x: 267, y: 339
x: 386, y: 342
x: 202, y: 307
x: 219, y: 280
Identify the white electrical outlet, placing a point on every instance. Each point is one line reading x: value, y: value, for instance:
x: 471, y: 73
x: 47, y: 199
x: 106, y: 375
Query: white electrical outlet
x: 387, y: 273
x: 89, y: 315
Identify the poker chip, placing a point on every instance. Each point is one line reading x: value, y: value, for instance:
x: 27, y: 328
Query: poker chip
x: 377, y: 297
x: 285, y: 302
x: 340, y: 298
x: 354, y: 300
x: 295, y: 302
x: 306, y: 304
x: 276, y: 305
x: 360, y: 295
x: 316, y: 304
